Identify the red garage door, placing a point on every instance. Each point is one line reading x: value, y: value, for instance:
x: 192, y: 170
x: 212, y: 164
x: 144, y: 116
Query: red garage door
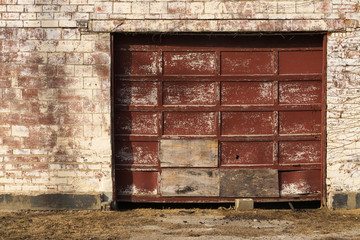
x: 213, y: 118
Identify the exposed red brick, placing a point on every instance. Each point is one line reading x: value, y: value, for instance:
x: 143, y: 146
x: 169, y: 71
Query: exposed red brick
x: 97, y: 58
x: 48, y: 70
x: 102, y: 70
x: 25, y: 107
x: 30, y: 94
x: 29, y: 119
x: 10, y: 118
x: 102, y: 95
x: 5, y: 82
x: 5, y: 131
x: 12, y: 142
x: 102, y: 46
x: 75, y: 107
x: 31, y: 82
x: 29, y: 70
x: 70, y: 131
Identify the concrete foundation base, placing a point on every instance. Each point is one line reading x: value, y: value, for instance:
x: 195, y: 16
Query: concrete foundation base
x: 9, y: 202
x: 344, y: 200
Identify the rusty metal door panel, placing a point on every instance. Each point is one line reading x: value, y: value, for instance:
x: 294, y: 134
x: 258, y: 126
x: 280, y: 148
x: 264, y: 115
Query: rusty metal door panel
x: 300, y: 122
x: 245, y: 93
x: 189, y: 93
x: 137, y: 123
x: 190, y: 182
x: 247, y: 153
x: 137, y: 93
x: 136, y: 183
x: 294, y: 183
x: 300, y: 92
x: 136, y: 63
x: 137, y: 153
x: 189, y: 123
x: 200, y: 118
x: 247, y: 63
x: 188, y: 153
x: 189, y: 63
x: 300, y: 62
x: 249, y: 183
x: 247, y: 123
x: 298, y: 152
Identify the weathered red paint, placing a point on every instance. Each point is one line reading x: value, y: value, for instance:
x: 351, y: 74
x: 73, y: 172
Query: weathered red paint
x: 262, y: 99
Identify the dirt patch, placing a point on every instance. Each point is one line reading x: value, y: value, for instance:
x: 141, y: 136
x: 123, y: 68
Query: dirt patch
x: 181, y: 224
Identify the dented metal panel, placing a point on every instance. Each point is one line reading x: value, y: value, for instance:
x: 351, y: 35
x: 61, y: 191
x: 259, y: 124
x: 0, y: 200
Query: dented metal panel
x: 137, y: 153
x: 190, y: 182
x: 300, y: 122
x: 189, y: 153
x: 297, y: 152
x: 300, y: 182
x: 249, y: 183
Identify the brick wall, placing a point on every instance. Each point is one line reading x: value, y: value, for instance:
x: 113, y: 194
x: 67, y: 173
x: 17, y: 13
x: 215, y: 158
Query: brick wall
x: 55, y: 81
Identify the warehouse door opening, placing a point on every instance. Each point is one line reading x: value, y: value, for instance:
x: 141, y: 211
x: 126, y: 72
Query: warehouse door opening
x: 212, y: 118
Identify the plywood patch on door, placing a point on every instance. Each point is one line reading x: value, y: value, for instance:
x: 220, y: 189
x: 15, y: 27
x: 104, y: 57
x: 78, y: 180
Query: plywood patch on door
x: 249, y: 183
x: 189, y: 153
x: 190, y: 182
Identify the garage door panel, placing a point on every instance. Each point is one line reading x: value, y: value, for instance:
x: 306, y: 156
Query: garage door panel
x: 136, y: 183
x: 139, y: 123
x: 136, y: 93
x: 298, y: 152
x: 136, y: 63
x: 189, y: 93
x: 190, y: 182
x: 189, y: 63
x: 189, y: 123
x: 247, y: 63
x: 300, y: 92
x: 300, y: 122
x: 137, y: 153
x: 249, y: 183
x: 247, y: 123
x: 300, y: 62
x: 189, y: 153
x: 247, y: 153
x: 300, y: 182
x: 213, y: 119
x: 244, y: 93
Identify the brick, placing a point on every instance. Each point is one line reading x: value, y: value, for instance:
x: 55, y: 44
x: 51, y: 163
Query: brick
x: 67, y: 8
x: 44, y: 16
x: 28, y: 16
x: 74, y: 58
x: 11, y: 16
x: 56, y: 58
x: 49, y: 23
x: 83, y: 70
x: 195, y: 7
x: 51, y: 8
x: 32, y: 24
x: 62, y: 15
x: 122, y: 7
x: 15, y: 8
x: 84, y: 8
x: 103, y: 7
x: 19, y: 131
x: 305, y: 7
x: 27, y: 2
x: 29, y: 94
x: 97, y: 58
x: 101, y: 70
x: 140, y: 7
x: 180, y: 7
x: 158, y: 7
x: 67, y: 23
x: 81, y: 16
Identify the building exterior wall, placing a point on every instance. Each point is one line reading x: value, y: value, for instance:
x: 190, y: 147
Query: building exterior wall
x: 55, y: 77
